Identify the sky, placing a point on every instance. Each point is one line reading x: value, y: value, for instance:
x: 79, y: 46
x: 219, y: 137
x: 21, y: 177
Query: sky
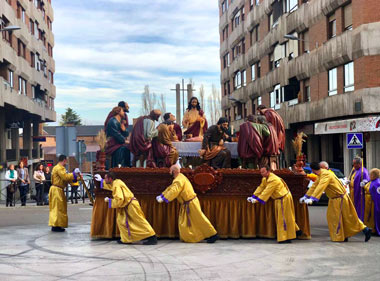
x: 108, y: 50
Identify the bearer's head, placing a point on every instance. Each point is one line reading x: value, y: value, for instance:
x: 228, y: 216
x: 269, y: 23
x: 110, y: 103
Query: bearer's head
x: 110, y: 177
x: 357, y: 163
x: 62, y: 159
x: 324, y: 165
x: 374, y: 174
x: 265, y: 171
x: 315, y: 168
x: 223, y: 124
x: 174, y: 171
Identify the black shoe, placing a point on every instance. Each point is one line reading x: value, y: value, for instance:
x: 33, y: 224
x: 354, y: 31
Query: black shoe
x: 152, y: 240
x: 212, y: 239
x: 120, y: 242
x: 285, y: 242
x: 23, y: 204
x: 345, y: 240
x: 299, y: 233
x: 57, y: 229
x: 367, y: 232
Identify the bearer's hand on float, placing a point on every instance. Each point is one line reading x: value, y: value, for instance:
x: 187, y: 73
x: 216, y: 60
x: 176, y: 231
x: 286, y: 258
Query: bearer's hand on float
x: 106, y: 199
x: 159, y: 199
x: 308, y: 201
x: 303, y: 199
x: 363, y: 183
x: 251, y: 200
x: 98, y: 177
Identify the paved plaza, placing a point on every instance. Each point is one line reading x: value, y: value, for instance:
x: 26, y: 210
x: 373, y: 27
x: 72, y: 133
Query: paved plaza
x: 30, y: 251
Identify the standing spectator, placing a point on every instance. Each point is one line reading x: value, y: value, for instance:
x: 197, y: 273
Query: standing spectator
x: 11, y: 176
x: 23, y: 178
x: 47, y: 185
x: 74, y: 191
x: 39, y: 177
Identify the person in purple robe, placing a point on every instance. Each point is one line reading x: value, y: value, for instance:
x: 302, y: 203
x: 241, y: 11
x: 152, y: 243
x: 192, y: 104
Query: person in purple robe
x: 358, y: 178
x: 372, y: 202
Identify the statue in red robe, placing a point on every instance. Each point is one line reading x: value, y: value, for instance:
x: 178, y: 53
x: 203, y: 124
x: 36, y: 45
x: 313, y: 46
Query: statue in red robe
x: 194, y: 120
x: 275, y: 119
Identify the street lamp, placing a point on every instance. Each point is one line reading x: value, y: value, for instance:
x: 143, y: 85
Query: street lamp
x: 10, y: 28
x: 293, y: 37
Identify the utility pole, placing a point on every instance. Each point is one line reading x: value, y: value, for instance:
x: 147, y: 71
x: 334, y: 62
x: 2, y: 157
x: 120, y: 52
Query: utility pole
x: 178, y: 90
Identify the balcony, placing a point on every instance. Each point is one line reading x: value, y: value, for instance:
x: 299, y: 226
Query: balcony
x: 237, y: 34
x: 340, y: 105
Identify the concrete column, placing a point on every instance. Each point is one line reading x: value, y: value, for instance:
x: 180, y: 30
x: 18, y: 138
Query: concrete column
x: 326, y: 148
x: 3, y: 135
x: 289, y: 153
x: 36, y: 133
x: 27, y: 138
x: 15, y: 139
x: 373, y: 151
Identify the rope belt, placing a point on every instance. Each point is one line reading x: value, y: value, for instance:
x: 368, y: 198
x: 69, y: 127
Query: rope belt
x: 187, y: 206
x: 341, y: 209
x: 126, y: 215
x: 282, y: 208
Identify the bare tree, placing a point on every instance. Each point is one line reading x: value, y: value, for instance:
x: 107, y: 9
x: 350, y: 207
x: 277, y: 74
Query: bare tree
x: 217, y: 108
x: 162, y: 104
x: 148, y: 101
x: 210, y: 107
x: 202, y: 97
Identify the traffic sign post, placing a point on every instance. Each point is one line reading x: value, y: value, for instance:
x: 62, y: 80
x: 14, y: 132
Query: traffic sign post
x: 355, y: 140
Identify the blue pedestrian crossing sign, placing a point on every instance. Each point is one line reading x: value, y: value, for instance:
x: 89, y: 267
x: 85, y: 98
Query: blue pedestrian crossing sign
x: 355, y: 140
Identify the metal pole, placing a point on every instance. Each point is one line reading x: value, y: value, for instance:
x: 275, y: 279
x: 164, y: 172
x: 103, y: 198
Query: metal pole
x: 183, y: 96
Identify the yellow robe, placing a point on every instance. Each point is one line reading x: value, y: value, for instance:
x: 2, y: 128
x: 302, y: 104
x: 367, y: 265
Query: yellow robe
x: 129, y: 213
x: 342, y: 218
x: 274, y: 187
x: 193, y: 225
x: 352, y: 185
x: 57, y: 198
x: 369, y: 209
x: 190, y: 117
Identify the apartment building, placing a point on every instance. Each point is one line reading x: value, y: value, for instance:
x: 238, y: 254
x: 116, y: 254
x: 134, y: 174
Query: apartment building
x: 27, y: 67
x: 316, y: 62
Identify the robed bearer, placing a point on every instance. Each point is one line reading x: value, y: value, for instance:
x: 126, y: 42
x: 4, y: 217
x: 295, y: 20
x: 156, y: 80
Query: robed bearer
x: 193, y: 225
x: 372, y: 202
x: 342, y: 218
x: 130, y: 218
x: 358, y: 178
x: 58, y: 219
x: 274, y: 187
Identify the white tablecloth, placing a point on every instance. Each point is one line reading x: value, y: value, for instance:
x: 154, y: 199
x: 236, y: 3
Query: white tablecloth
x: 190, y: 149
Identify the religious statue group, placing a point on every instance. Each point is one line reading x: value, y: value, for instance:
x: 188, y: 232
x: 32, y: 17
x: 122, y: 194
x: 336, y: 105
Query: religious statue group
x: 260, y: 138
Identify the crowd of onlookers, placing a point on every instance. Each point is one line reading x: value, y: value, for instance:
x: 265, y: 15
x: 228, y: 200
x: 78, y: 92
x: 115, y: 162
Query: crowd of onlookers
x: 19, y: 179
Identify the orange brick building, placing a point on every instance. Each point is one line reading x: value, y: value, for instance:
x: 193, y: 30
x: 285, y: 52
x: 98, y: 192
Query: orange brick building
x: 316, y: 62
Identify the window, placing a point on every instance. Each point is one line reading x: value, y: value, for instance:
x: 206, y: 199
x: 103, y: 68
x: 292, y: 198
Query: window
x: 278, y: 54
x: 253, y: 72
x: 224, y: 6
x: 227, y: 88
x: 226, y: 60
x: 307, y: 96
x: 21, y: 48
x: 244, y: 78
x: 257, y: 2
x: 21, y: 86
x: 36, y: 30
x: 51, y: 78
x: 332, y: 26
x: 10, y: 78
x: 259, y: 101
x: 254, y: 35
x: 32, y: 60
x: 349, y: 77
x: 236, y: 19
x: 258, y: 69
x: 37, y: 62
x: 347, y: 11
x: 291, y: 5
x: 251, y: 4
x: 333, y: 82
x: 271, y: 61
x: 50, y: 50
x: 237, y: 80
x: 33, y: 92
x: 305, y: 43
x: 225, y: 33
x: 291, y: 48
x: 270, y: 21
x: 276, y: 97
x: 31, y: 26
